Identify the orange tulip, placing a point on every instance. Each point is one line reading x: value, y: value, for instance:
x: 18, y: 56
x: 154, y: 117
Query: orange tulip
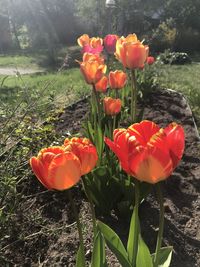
x: 62, y: 167
x: 131, y: 52
x: 112, y: 106
x: 83, y: 40
x: 147, y: 152
x: 56, y: 168
x: 92, y: 68
x: 84, y: 150
x: 117, y: 79
x: 101, y: 85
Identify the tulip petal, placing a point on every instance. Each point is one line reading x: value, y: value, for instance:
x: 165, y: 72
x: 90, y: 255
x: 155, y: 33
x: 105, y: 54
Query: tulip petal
x: 88, y: 158
x: 150, y: 164
x: 64, y: 171
x: 120, y: 147
x: 143, y: 131
x: 40, y: 171
x: 176, y: 141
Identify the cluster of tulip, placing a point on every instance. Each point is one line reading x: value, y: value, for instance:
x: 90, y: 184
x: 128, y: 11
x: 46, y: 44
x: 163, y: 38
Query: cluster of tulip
x: 145, y: 151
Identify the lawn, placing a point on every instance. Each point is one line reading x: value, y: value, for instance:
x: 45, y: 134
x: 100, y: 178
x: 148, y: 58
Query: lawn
x: 46, y: 90
x: 186, y: 79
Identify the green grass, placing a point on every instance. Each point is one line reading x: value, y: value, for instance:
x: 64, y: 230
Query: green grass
x: 46, y: 90
x: 19, y: 61
x: 183, y: 78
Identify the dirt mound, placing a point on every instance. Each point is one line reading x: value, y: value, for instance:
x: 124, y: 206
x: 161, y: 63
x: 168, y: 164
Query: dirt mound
x: 51, y: 238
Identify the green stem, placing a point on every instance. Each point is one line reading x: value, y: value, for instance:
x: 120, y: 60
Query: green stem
x: 110, y: 127
x: 136, y: 208
x: 97, y: 100
x: 161, y: 224
x: 133, y: 96
x: 114, y: 123
x: 78, y: 227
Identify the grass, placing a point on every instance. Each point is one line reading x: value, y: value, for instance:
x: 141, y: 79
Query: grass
x: 47, y: 89
x: 19, y: 61
x: 186, y: 79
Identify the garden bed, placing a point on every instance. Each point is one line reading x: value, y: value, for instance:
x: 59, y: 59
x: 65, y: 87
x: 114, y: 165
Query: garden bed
x: 43, y: 231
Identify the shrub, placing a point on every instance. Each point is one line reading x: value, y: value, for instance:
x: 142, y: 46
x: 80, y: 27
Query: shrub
x: 179, y: 58
x: 164, y: 36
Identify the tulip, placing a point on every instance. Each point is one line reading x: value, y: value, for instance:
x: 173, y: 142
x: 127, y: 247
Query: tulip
x: 147, y: 152
x: 56, y: 168
x: 101, y: 85
x: 150, y: 60
x: 92, y: 68
x: 117, y: 79
x: 61, y: 168
x: 110, y: 43
x: 131, y: 52
x: 92, y: 45
x: 83, y: 40
x: 112, y: 106
x: 84, y: 150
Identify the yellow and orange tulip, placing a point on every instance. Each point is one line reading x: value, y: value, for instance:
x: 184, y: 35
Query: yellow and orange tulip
x: 112, y: 106
x: 131, y: 52
x: 117, y: 79
x: 84, y: 150
x: 61, y: 168
x: 56, y: 168
x: 101, y: 85
x: 147, y: 152
x: 92, y: 68
x: 83, y: 40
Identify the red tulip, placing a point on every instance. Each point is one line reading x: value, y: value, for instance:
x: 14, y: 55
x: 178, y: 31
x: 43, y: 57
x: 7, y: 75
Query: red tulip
x: 110, y: 43
x: 150, y: 60
x: 147, y: 152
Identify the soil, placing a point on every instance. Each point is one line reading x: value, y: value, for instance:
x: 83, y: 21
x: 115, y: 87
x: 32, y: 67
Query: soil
x: 43, y: 232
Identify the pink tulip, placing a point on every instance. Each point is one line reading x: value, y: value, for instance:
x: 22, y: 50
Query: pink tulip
x: 110, y: 43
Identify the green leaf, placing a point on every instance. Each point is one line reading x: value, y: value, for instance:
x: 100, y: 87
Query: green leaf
x: 144, y: 258
x: 164, y: 257
x: 99, y: 142
x: 80, y: 262
x: 115, y: 244
x: 133, y: 237
x: 98, y: 255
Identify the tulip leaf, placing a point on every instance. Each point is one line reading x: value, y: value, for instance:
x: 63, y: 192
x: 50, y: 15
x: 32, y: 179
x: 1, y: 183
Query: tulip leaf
x: 115, y: 244
x: 133, y: 237
x: 144, y: 258
x: 80, y: 262
x: 98, y: 254
x: 99, y: 142
x: 164, y: 256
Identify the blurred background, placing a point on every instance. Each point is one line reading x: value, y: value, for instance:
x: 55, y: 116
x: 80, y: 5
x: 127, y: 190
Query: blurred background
x: 27, y: 24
